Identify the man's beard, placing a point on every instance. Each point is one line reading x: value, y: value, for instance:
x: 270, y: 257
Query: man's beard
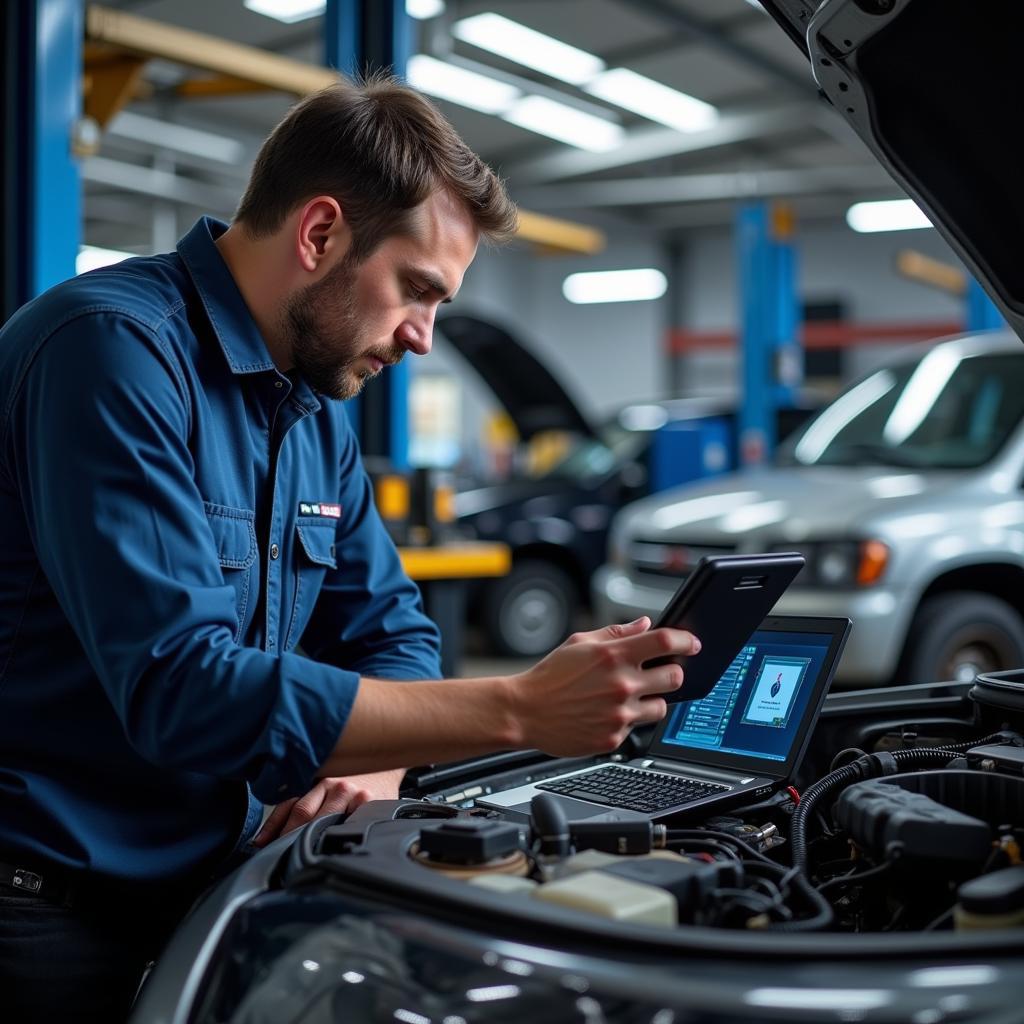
x: 321, y: 324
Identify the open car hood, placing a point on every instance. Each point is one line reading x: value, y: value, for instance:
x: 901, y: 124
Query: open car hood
x: 533, y: 398
x: 931, y: 87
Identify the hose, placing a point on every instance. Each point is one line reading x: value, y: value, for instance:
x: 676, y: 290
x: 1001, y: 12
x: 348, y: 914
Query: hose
x: 867, y: 767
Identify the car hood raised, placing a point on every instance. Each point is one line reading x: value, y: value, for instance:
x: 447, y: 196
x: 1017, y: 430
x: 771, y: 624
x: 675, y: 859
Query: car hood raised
x: 793, y: 504
x: 511, y: 492
x: 529, y: 391
x: 932, y: 87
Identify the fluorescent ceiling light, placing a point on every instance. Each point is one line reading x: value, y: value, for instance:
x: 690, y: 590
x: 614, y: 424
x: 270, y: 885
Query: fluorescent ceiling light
x: 525, y: 46
x: 178, y: 137
x: 288, y: 11
x: 424, y: 9
x: 449, y: 82
x: 615, y: 286
x: 653, y: 100
x: 565, y: 123
x: 890, y: 215
x: 91, y: 257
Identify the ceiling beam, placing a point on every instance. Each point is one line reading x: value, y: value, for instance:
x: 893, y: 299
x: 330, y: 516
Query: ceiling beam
x: 150, y: 181
x: 557, y: 235
x: 239, y: 64
x: 644, y: 144
x: 713, y: 36
x: 721, y: 214
x: 198, y: 50
x: 689, y: 188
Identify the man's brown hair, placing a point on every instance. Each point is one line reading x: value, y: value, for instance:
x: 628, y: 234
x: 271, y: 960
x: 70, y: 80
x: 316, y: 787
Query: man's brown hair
x: 380, y: 149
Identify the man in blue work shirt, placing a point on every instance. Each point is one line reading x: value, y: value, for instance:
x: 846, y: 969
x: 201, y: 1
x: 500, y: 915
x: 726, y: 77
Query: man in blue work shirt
x: 182, y: 504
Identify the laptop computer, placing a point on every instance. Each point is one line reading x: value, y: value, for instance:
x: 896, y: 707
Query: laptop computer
x: 741, y: 743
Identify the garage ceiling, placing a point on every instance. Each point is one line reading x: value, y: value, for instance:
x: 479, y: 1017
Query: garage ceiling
x: 774, y: 137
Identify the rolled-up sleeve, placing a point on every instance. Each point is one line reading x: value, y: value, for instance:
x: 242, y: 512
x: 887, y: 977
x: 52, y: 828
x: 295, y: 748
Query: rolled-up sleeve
x: 96, y: 442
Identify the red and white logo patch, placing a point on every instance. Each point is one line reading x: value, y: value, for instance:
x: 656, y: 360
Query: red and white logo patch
x: 319, y: 508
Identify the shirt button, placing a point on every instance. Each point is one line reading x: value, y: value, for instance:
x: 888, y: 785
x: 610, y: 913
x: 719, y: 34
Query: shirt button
x: 274, y: 551
x: 278, y: 383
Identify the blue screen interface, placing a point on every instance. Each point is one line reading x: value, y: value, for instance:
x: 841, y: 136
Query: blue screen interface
x: 758, y: 705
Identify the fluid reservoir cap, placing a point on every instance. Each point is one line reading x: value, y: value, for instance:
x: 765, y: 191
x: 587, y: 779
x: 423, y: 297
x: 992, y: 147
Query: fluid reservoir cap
x: 1001, y: 892
x: 469, y: 841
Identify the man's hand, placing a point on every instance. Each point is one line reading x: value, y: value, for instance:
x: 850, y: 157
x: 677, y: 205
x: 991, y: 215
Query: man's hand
x: 329, y: 796
x: 586, y: 695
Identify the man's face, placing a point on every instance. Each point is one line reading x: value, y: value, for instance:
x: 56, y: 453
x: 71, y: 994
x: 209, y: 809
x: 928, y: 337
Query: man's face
x: 361, y: 317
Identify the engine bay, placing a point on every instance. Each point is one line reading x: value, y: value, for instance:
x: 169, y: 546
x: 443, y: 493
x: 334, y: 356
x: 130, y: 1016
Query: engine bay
x: 890, y: 871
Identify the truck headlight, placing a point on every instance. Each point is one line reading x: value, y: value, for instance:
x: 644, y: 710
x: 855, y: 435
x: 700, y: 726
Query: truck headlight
x: 837, y: 564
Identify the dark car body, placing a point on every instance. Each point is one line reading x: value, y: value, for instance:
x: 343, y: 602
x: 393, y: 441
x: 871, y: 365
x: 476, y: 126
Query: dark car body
x: 557, y: 524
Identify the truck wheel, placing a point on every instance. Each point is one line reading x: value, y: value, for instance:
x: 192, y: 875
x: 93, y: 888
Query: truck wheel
x: 529, y: 611
x: 959, y: 634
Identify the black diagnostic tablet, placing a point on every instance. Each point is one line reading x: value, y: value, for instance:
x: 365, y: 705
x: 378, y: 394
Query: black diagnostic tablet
x: 722, y: 602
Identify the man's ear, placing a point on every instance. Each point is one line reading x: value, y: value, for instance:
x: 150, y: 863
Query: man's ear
x: 320, y: 232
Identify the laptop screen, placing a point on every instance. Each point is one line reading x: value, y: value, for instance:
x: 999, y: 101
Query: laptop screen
x: 761, y: 708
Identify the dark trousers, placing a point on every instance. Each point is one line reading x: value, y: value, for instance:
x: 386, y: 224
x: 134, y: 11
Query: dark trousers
x: 74, y: 965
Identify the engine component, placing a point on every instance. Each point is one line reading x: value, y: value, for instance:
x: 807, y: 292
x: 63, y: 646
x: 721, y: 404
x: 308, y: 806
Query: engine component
x: 622, y: 899
x: 623, y: 837
x: 505, y: 885
x: 466, y: 842
x: 997, y: 757
x: 760, y: 837
x: 550, y: 825
x: 1002, y: 691
x: 995, y: 900
x: 589, y: 860
x: 692, y: 883
x: 880, y: 816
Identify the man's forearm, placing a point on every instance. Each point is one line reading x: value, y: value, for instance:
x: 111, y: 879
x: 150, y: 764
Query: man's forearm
x: 583, y: 698
x: 424, y: 721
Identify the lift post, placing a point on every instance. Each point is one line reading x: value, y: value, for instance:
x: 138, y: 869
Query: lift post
x: 982, y: 312
x: 771, y: 356
x: 362, y: 36
x: 41, y: 108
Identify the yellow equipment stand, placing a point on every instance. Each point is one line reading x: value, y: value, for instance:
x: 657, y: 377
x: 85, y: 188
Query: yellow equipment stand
x: 443, y: 573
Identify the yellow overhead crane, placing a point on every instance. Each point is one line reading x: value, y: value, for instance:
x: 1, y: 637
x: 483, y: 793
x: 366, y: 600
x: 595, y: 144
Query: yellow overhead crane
x: 119, y: 44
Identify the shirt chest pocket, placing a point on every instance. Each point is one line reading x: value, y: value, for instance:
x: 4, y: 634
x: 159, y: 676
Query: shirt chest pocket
x: 234, y: 536
x: 314, y: 557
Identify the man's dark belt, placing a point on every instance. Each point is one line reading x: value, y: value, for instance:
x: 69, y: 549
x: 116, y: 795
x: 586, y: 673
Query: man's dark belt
x: 51, y: 885
x: 81, y: 890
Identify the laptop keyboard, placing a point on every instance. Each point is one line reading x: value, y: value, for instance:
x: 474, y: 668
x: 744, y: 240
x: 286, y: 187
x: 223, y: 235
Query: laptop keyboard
x: 635, y: 789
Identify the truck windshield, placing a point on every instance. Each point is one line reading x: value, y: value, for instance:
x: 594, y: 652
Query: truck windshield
x: 942, y: 411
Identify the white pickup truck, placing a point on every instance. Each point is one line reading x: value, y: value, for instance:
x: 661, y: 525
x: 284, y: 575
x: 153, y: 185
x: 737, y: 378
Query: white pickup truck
x: 905, y: 495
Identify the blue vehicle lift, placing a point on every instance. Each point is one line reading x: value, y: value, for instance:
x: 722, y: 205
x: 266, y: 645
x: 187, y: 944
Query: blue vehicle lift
x: 363, y: 36
x: 982, y: 312
x: 772, y: 359
x: 41, y: 186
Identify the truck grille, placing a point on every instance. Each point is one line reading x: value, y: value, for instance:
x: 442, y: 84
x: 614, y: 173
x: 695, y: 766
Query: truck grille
x: 675, y: 560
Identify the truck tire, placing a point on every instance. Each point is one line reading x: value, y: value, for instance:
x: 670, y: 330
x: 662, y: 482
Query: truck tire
x: 961, y: 633
x: 529, y: 611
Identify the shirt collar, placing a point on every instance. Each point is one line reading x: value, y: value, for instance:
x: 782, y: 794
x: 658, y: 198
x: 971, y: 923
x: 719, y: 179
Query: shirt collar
x: 233, y: 325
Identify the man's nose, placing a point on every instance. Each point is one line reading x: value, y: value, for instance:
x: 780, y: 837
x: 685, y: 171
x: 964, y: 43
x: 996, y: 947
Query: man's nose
x: 417, y: 337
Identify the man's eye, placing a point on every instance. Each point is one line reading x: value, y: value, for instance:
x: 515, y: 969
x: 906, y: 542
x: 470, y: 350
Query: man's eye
x: 416, y: 292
